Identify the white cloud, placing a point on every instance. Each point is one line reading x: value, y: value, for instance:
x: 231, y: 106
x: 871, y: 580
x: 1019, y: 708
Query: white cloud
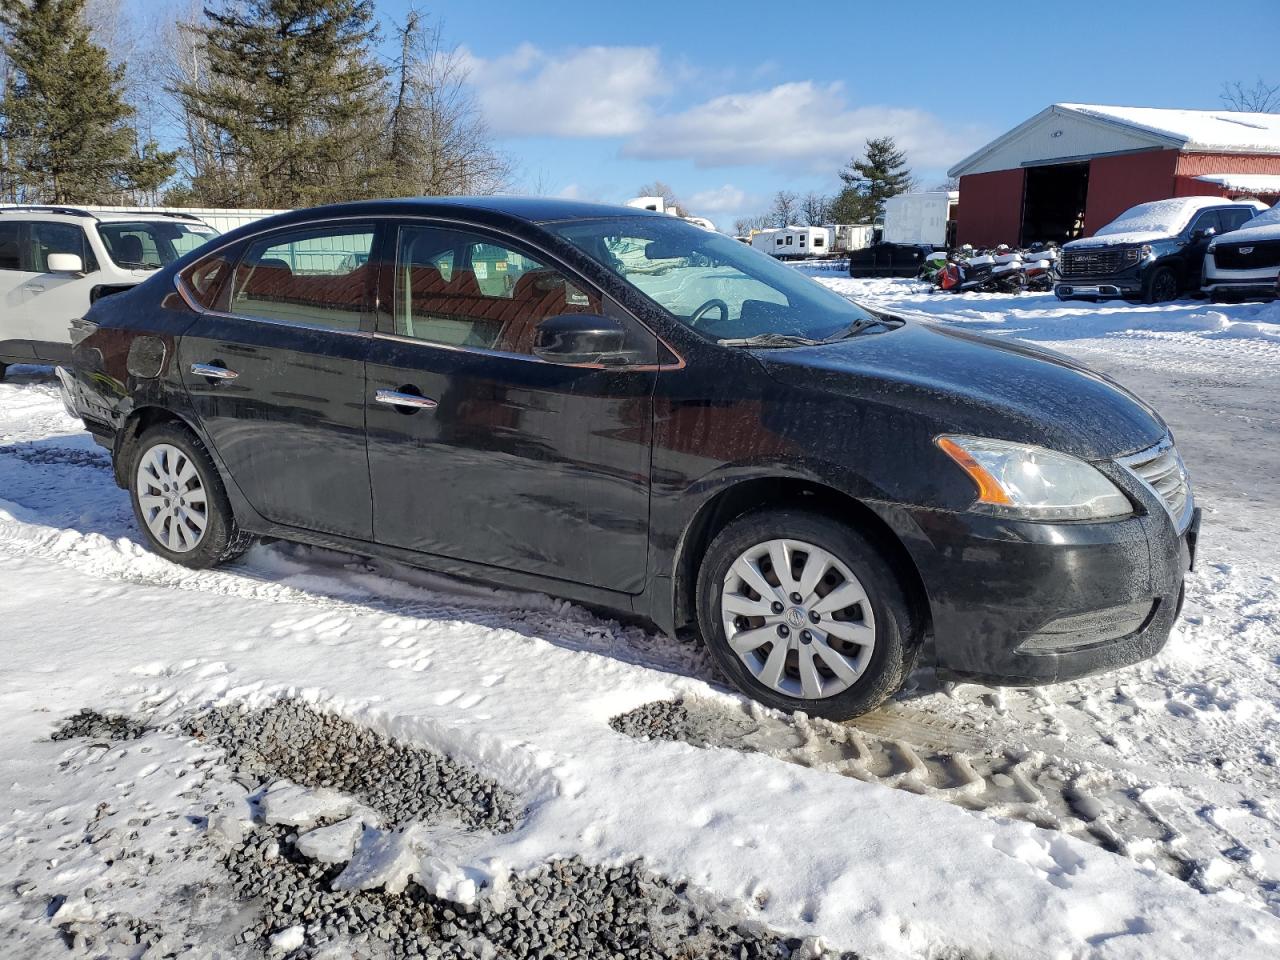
x: 800, y: 127
x: 588, y: 92
x: 727, y: 198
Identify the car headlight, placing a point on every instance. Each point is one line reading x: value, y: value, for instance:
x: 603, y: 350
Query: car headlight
x: 1146, y: 251
x: 1032, y: 483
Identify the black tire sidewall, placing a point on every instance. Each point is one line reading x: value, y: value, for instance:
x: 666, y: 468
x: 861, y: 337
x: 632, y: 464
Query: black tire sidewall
x: 221, y: 532
x: 896, y: 631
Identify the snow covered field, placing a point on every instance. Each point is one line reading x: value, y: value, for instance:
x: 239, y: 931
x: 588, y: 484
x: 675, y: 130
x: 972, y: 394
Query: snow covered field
x: 1157, y: 789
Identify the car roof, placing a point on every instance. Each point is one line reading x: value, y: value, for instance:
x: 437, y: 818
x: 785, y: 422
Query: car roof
x: 527, y: 209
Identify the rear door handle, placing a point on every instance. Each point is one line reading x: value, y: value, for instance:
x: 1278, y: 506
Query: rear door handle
x: 213, y: 372
x: 409, y: 401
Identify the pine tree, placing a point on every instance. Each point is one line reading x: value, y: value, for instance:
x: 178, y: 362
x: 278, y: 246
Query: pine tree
x: 292, y: 102
x: 881, y: 173
x: 63, y: 118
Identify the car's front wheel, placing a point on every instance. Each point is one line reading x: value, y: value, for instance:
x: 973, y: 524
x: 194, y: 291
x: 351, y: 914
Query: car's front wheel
x: 180, y: 502
x: 804, y: 613
x: 1161, y: 286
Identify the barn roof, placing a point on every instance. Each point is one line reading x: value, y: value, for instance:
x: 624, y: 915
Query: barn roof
x: 1212, y: 131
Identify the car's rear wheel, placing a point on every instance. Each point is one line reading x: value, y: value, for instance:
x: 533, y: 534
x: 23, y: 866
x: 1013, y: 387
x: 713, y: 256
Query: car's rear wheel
x: 180, y: 502
x: 804, y: 613
x: 1161, y: 286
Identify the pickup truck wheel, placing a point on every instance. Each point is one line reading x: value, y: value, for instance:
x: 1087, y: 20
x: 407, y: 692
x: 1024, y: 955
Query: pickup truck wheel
x: 1161, y: 286
x: 180, y: 502
x: 804, y: 613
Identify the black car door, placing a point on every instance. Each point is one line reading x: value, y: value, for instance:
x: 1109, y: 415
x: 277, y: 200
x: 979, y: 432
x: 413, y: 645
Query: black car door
x: 481, y: 451
x: 1203, y: 229
x: 276, y: 375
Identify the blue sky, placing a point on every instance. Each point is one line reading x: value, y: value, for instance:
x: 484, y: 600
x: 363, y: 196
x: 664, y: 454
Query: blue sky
x: 729, y: 102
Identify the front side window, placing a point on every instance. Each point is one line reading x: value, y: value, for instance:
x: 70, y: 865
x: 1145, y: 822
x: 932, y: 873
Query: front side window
x: 1207, y: 221
x: 317, y: 277
x: 456, y: 288
x: 710, y: 282
x: 1235, y: 219
x: 149, y: 245
x: 49, y: 237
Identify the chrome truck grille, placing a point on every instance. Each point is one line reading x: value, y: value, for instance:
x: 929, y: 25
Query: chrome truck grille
x: 1091, y: 263
x: 1161, y: 470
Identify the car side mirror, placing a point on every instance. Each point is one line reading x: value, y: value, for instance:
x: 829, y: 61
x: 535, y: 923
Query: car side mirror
x: 582, y: 338
x: 1204, y: 234
x: 64, y: 263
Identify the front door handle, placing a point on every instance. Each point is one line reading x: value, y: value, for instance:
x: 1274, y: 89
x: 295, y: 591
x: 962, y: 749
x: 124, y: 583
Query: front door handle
x: 213, y: 372
x: 409, y: 401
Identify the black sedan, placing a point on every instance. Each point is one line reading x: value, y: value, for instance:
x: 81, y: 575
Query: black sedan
x: 624, y: 409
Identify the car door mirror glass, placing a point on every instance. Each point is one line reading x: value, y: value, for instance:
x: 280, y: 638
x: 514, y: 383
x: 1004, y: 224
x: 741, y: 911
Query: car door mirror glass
x: 65, y: 263
x: 583, y: 338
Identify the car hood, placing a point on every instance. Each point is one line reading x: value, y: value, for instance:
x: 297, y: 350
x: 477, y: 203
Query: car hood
x: 971, y: 384
x: 1117, y: 240
x: 1248, y: 234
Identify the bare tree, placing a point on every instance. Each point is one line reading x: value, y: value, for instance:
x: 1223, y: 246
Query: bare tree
x: 815, y: 208
x: 744, y: 225
x: 1262, y: 97
x: 785, y: 208
x: 949, y: 184
x: 659, y: 189
x: 437, y: 141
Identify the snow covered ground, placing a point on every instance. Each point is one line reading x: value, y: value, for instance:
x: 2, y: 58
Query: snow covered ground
x: 521, y: 689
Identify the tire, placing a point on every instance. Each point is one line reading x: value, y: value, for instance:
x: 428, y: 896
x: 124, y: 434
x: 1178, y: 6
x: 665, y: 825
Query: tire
x: 887, y: 631
x: 1161, y: 286
x: 168, y: 457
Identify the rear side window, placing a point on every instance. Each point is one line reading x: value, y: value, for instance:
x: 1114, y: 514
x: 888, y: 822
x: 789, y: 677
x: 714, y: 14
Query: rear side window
x: 1235, y: 219
x: 314, y: 277
x: 10, y: 246
x: 205, y: 279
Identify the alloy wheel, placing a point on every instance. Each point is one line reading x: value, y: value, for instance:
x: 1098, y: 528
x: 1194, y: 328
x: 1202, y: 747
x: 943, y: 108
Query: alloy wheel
x: 798, y: 618
x: 172, y: 498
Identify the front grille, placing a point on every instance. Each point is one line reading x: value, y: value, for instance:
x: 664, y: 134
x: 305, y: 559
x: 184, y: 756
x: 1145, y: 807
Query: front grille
x: 1161, y: 470
x: 1232, y: 256
x: 1091, y: 263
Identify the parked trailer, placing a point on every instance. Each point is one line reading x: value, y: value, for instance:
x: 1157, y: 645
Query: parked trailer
x: 792, y: 243
x: 920, y: 219
x: 851, y: 236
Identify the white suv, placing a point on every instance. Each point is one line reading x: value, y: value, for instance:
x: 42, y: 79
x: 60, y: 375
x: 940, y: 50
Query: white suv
x: 1245, y: 262
x: 56, y: 261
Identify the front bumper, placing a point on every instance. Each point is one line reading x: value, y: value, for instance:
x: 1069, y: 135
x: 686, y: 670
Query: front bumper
x: 1023, y: 603
x: 1126, y: 282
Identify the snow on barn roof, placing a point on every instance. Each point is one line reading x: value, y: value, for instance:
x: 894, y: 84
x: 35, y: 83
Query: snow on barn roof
x: 1251, y: 182
x: 1077, y: 131
x: 1226, y: 130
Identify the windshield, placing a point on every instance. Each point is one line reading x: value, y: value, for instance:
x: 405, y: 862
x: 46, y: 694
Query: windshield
x: 148, y: 244
x: 712, y: 283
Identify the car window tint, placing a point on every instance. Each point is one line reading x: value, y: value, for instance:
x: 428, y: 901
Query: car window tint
x: 1235, y: 219
x: 316, y: 277
x: 1207, y: 221
x: 493, y: 297
x: 10, y: 247
x: 204, y: 279
x: 47, y: 238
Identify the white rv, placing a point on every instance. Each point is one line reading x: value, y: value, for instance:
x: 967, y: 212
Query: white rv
x: 792, y: 243
x: 919, y: 219
x: 852, y: 236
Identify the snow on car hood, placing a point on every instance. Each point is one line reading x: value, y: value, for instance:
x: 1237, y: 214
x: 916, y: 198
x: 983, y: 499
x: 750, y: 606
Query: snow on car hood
x: 968, y: 383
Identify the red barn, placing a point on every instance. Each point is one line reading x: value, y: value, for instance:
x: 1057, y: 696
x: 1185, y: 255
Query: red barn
x: 1074, y: 167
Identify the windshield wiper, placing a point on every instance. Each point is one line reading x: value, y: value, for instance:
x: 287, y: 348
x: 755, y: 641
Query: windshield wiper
x: 771, y: 340
x: 855, y: 328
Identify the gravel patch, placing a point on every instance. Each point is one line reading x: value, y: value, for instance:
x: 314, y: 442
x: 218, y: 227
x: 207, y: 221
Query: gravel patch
x: 101, y: 726
x: 567, y: 910
x: 403, y: 782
